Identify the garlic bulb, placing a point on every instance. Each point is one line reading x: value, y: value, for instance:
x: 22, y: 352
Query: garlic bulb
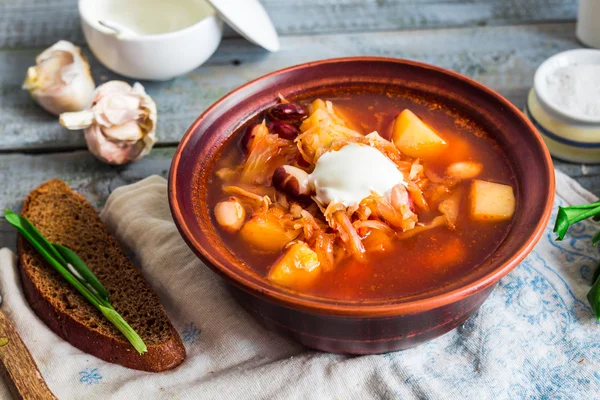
x: 120, y: 126
x: 61, y: 80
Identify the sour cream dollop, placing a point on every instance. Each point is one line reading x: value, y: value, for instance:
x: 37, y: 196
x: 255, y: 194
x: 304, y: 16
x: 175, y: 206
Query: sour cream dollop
x: 352, y: 173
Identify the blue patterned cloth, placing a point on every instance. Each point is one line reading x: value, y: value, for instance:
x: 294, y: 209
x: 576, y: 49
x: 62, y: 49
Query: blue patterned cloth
x: 534, y: 338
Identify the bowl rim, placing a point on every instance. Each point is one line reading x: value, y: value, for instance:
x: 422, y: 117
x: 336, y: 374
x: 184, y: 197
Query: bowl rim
x: 85, y: 16
x: 290, y: 298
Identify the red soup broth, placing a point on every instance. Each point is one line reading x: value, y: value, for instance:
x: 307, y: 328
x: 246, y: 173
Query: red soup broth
x: 425, y: 261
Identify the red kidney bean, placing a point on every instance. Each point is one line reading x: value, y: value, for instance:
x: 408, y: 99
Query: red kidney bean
x: 288, y: 112
x: 283, y: 130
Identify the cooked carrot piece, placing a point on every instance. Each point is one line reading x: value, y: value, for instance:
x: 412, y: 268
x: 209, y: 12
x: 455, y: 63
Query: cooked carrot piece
x: 298, y: 267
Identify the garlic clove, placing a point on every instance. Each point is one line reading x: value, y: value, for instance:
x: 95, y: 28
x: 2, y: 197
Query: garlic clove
x: 111, y: 87
x: 121, y: 125
x: 118, y: 112
x: 76, y: 120
x: 147, y: 143
x: 148, y: 123
x: 61, y: 80
x: 129, y: 132
x: 111, y: 152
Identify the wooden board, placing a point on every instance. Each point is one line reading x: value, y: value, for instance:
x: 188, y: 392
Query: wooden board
x: 17, y: 366
x: 504, y: 58
x: 38, y: 23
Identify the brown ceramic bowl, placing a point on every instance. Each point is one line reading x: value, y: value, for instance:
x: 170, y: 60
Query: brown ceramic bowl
x: 376, y: 326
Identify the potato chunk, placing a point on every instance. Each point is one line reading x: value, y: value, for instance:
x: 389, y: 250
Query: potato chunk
x: 264, y: 232
x: 415, y: 139
x: 491, y: 201
x: 298, y: 267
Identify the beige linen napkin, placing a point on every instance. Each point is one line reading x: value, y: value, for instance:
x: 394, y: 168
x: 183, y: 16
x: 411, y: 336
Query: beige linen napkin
x: 534, y: 337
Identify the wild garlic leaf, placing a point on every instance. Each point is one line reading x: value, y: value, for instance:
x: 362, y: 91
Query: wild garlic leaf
x: 56, y: 260
x: 117, y: 320
x: 596, y: 239
x: 23, y: 224
x: 596, y: 274
x: 568, y: 216
x: 83, y: 270
x: 593, y: 297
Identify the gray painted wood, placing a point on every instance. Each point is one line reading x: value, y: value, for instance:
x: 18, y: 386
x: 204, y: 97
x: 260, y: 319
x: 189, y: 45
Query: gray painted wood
x: 8, y: 235
x: 22, y: 173
x: 37, y: 23
x: 587, y: 176
x: 504, y: 58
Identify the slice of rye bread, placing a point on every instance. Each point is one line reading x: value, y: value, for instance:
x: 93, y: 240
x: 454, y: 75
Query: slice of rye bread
x: 67, y: 218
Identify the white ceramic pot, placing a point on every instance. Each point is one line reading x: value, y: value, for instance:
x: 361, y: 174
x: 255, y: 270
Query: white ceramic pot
x: 566, y: 139
x: 568, y: 135
x: 149, y: 55
x: 588, y: 23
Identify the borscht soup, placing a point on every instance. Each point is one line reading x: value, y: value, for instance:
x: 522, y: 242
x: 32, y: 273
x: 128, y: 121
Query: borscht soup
x: 362, y: 195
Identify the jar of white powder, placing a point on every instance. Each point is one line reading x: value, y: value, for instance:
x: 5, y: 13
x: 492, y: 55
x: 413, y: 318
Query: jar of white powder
x: 564, y: 105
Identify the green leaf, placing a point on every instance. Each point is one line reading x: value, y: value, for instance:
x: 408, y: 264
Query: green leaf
x: 17, y: 222
x: 46, y: 250
x: 593, y: 297
x: 84, y: 271
x: 596, y: 239
x: 596, y: 274
x: 115, y: 318
x: 61, y: 254
x: 584, y: 206
x: 23, y: 223
x: 568, y: 216
x: 562, y: 223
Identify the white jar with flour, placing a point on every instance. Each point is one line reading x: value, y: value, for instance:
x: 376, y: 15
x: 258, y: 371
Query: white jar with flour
x: 564, y: 105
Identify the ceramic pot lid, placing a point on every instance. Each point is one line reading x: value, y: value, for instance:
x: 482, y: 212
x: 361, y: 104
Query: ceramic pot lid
x: 249, y: 19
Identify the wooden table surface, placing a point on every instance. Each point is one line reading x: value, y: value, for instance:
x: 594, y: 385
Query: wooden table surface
x: 498, y: 42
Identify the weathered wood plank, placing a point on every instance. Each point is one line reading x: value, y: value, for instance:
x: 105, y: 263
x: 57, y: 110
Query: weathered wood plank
x: 22, y: 173
x: 587, y: 176
x: 37, y: 23
x: 503, y: 58
x: 8, y: 236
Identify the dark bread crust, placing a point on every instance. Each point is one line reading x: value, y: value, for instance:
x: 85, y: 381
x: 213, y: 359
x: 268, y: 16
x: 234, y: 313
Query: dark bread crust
x: 66, y: 217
